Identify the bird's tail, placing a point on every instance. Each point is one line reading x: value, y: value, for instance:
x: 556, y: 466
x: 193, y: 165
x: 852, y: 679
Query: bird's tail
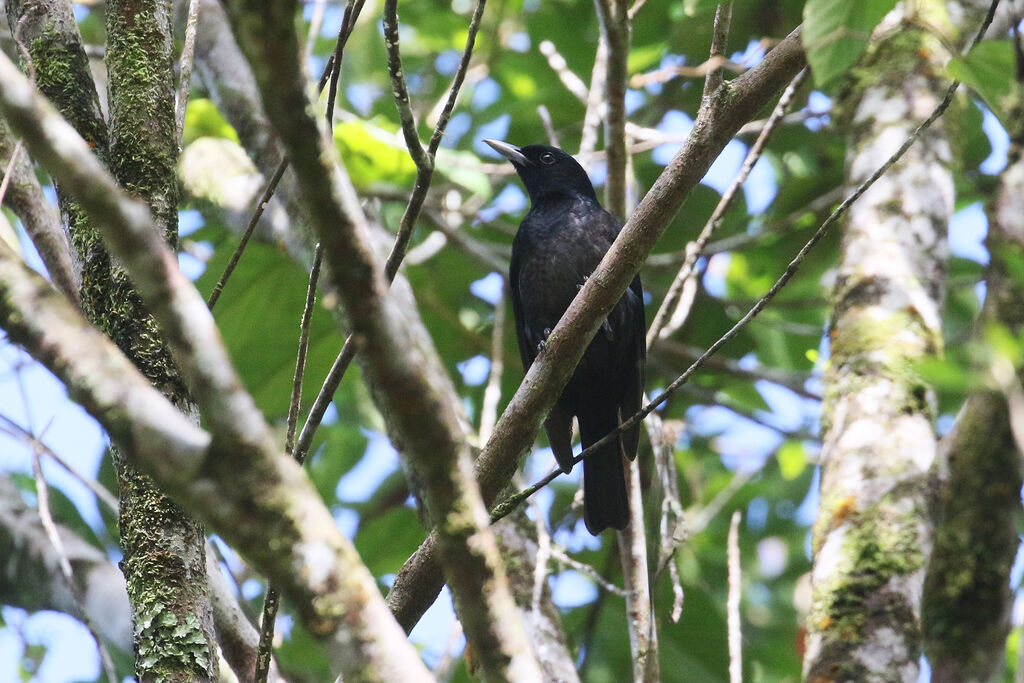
x: 605, y: 500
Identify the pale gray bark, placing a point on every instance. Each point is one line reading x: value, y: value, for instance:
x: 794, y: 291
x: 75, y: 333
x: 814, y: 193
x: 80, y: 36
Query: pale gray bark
x: 732, y: 105
x: 410, y: 386
x: 873, y: 535
x: 237, y: 481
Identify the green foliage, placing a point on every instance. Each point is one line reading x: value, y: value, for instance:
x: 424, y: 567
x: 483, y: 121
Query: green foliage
x: 984, y: 69
x: 733, y: 420
x: 202, y: 119
x: 836, y: 33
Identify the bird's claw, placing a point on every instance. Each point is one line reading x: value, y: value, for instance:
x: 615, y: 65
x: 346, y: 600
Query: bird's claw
x: 580, y: 285
x: 544, y: 342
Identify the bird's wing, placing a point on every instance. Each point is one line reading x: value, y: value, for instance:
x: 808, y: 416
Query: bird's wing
x: 526, y: 351
x: 558, y: 424
x: 633, y: 392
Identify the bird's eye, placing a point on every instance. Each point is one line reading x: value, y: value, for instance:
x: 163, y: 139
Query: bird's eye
x: 547, y: 158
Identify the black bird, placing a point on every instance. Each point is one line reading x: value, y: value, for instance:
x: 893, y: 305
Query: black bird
x: 559, y: 244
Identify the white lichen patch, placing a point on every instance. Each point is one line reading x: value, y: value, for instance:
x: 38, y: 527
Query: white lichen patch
x: 318, y: 563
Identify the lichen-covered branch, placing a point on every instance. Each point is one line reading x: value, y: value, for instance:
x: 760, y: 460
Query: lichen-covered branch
x: 872, y: 538
x: 40, y: 218
x: 404, y: 377
x: 164, y: 548
x: 259, y: 501
x: 967, y: 598
x: 257, y: 498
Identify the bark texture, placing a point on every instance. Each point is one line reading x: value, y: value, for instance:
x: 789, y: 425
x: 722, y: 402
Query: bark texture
x: 164, y: 548
x: 164, y: 556
x: 968, y: 600
x: 407, y: 382
x: 873, y: 537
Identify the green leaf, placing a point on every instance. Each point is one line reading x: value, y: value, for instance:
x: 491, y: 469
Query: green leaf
x: 989, y: 70
x: 203, y: 119
x: 792, y: 460
x: 258, y: 316
x: 372, y: 155
x: 463, y: 168
x: 646, y: 56
x: 837, y: 31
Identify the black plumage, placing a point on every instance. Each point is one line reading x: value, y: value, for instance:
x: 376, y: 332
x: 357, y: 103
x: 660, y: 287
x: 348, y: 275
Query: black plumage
x: 559, y: 244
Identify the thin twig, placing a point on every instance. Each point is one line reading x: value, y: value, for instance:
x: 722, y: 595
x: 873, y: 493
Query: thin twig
x: 316, y: 21
x: 570, y: 80
x: 242, y: 243
x: 642, y: 626
x: 562, y: 557
x: 43, y: 496
x: 272, y: 601
x: 509, y: 504
x: 492, y: 394
x: 614, y: 16
x: 348, y: 21
x: 9, y: 171
x: 12, y: 428
x: 423, y: 158
x: 188, y: 52
x: 660, y: 326
x: 663, y: 437
x: 300, y: 358
x: 719, y: 45
x: 549, y: 127
x: 595, y: 95
x: 666, y: 74
x: 733, y: 602
x: 399, y: 88
x: 412, y: 210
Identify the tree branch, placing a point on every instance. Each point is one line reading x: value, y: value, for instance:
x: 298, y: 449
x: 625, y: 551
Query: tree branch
x: 735, y: 104
x: 236, y: 481
x: 405, y: 378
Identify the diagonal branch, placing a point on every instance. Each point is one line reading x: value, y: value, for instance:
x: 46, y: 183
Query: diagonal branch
x: 233, y: 477
x: 733, y: 105
x: 405, y: 378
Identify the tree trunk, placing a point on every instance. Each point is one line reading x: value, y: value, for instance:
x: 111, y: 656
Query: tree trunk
x: 873, y: 537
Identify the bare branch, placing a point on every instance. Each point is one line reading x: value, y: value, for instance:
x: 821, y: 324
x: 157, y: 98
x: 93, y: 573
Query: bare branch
x: 616, y: 29
x: 643, y: 629
x: 157, y: 436
x: 733, y: 602
x: 188, y: 52
x: 40, y: 219
x: 424, y: 159
x: 28, y: 552
x: 719, y: 44
x: 407, y: 381
x: 518, y: 426
x: 659, y: 327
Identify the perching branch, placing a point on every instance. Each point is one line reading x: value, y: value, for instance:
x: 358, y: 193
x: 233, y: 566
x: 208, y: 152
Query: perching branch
x: 518, y: 426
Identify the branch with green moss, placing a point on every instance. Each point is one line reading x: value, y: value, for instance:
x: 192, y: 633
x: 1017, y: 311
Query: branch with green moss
x: 232, y: 477
x: 967, y: 598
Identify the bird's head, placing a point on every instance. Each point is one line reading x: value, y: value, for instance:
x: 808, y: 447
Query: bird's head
x: 547, y: 172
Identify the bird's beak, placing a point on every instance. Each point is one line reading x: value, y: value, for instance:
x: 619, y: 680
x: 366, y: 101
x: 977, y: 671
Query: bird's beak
x: 510, y: 152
